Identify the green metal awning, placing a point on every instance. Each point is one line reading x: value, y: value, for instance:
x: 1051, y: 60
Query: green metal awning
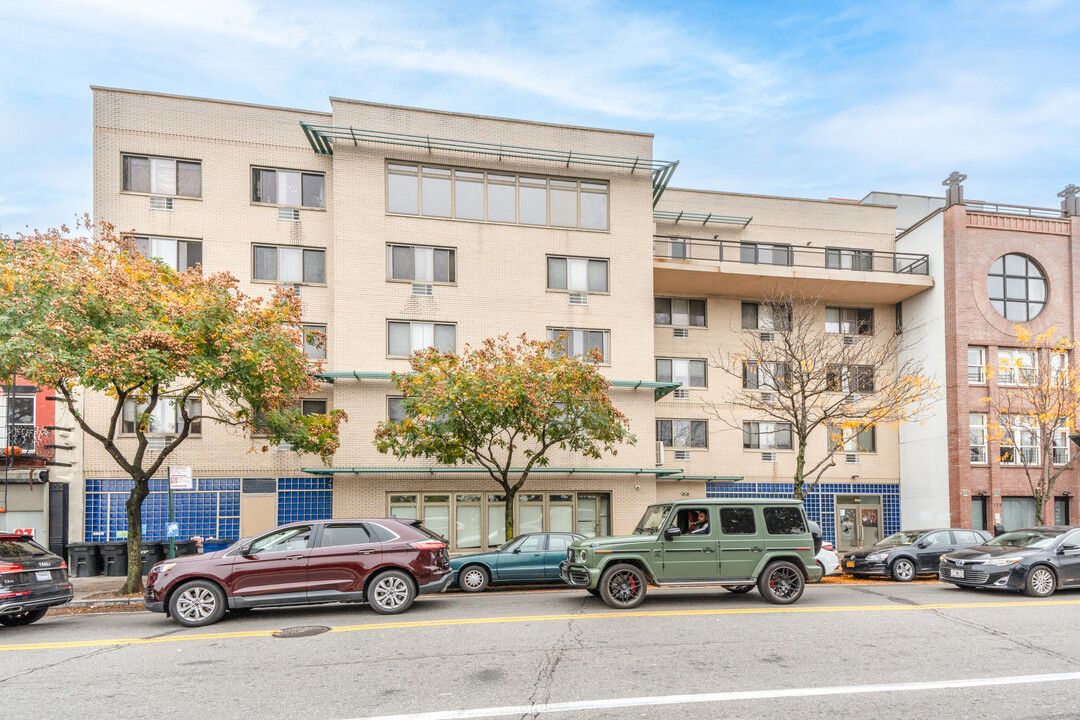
x: 453, y: 469
x: 677, y: 216
x: 660, y: 389
x: 323, y: 138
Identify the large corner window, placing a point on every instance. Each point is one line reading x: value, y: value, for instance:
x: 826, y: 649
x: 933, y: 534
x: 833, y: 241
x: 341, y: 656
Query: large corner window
x: 162, y: 176
x: 288, y: 188
x: 289, y: 264
x: 1017, y: 287
x: 176, y: 253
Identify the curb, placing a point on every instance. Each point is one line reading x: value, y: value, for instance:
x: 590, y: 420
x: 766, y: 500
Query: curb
x: 104, y: 602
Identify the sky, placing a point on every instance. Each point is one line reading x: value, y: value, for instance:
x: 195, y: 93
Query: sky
x: 805, y: 99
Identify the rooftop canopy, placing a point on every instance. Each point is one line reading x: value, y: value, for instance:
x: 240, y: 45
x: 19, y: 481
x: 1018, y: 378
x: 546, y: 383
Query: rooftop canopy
x: 677, y: 216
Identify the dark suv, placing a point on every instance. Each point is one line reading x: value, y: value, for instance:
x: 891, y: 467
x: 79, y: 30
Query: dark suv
x: 32, y: 580
x: 384, y: 562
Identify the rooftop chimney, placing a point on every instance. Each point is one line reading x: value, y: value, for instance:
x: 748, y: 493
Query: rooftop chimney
x: 955, y: 193
x: 1070, y: 203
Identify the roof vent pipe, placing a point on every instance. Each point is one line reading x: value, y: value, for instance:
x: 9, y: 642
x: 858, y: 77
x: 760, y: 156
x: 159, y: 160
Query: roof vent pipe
x: 955, y: 193
x: 1070, y: 203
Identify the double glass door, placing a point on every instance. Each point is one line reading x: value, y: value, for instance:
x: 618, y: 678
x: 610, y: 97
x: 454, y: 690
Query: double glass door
x: 858, y: 521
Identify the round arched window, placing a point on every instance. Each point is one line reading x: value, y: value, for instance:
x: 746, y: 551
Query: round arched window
x: 1017, y: 287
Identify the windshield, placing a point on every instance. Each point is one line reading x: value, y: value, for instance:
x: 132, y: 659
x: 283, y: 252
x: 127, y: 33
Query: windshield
x: 21, y: 548
x: 506, y: 545
x: 652, y: 520
x: 1026, y: 538
x: 904, y: 537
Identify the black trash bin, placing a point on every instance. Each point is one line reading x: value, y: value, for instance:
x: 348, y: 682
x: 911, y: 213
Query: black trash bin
x: 84, y: 559
x: 151, y: 555
x: 183, y: 547
x: 114, y: 558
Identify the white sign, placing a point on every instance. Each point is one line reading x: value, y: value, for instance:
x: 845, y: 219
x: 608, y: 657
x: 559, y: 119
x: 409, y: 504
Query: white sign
x: 180, y: 478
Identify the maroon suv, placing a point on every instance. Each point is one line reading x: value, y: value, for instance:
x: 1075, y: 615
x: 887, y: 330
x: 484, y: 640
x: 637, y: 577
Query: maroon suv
x: 385, y: 562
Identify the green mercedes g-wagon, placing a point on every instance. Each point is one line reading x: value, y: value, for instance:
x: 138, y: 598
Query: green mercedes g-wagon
x: 735, y: 543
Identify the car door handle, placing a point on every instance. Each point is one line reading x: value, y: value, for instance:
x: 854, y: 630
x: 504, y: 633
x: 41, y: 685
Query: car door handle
x: 364, y: 552
x: 294, y: 557
x: 709, y: 549
x: 755, y: 549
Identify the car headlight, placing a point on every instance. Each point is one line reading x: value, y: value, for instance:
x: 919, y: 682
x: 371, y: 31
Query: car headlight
x: 1003, y: 561
x: 164, y: 567
x: 582, y: 554
x: 875, y: 558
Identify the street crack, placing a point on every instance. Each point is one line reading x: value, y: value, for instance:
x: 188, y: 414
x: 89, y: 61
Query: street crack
x: 572, y: 637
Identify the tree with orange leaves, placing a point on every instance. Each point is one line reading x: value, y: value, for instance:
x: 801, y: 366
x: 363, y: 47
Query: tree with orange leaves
x: 91, y: 312
x: 503, y: 406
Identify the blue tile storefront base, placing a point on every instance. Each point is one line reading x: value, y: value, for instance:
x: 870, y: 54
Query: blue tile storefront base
x: 821, y: 503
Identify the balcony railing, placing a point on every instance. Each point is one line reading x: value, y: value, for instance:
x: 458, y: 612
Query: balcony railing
x: 1006, y: 209
x: 681, y: 248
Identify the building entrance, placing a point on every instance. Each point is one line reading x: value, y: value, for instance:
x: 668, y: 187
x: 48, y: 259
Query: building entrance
x: 858, y: 521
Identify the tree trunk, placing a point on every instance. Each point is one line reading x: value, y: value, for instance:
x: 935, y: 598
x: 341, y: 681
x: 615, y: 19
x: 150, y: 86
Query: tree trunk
x: 511, y: 493
x: 134, y: 583
x: 800, y: 466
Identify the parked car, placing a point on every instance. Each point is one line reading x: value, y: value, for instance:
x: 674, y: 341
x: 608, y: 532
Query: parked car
x: 828, y: 561
x: 384, y: 562
x: 909, y: 553
x: 1036, y: 561
x: 737, y: 543
x: 32, y: 580
x: 533, y: 557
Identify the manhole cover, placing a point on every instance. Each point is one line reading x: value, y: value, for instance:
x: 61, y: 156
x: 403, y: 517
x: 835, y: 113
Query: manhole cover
x: 301, y: 631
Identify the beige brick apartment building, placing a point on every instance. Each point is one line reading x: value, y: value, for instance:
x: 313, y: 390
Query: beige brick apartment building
x: 402, y: 228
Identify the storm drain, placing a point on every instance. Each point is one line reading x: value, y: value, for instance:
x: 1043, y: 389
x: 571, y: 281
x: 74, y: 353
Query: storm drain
x: 301, y: 631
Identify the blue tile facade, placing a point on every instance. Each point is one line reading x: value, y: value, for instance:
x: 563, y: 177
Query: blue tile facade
x: 305, y: 499
x: 821, y: 503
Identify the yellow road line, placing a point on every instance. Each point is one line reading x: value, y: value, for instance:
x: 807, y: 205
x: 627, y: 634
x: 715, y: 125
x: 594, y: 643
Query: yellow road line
x: 613, y: 615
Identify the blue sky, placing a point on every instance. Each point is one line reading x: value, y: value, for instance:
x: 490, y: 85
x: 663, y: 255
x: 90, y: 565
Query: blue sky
x: 809, y: 99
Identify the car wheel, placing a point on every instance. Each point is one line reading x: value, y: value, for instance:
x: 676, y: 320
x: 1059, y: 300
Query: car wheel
x: 821, y: 566
x: 24, y: 618
x: 197, y: 603
x: 392, y: 592
x: 474, y: 578
x: 903, y: 570
x: 782, y: 583
x: 739, y: 589
x: 1040, y: 582
x: 622, y: 586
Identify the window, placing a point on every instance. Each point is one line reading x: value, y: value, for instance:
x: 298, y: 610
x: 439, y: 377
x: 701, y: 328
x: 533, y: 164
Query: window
x: 1016, y: 367
x: 165, y: 419
x: 289, y: 264
x: 966, y: 538
x: 689, y: 373
x: 314, y: 340
x: 1017, y: 512
x: 1019, y: 442
x: 162, y: 176
x: 764, y: 254
x: 580, y: 343
x: 496, y: 197
x: 1017, y: 287
x: 287, y: 540
x: 416, y: 263
x: 976, y: 365
x: 783, y: 521
x: 395, y: 411
x: 313, y: 407
x: 406, y: 338
x: 338, y: 535
x: 683, y: 312
x: 849, y: 321
x: 1059, y: 367
x: 766, y: 316
x: 849, y: 378
x: 289, y: 188
x: 850, y: 440
x: 683, y: 433
x: 844, y: 259
x: 737, y: 521
x: 178, y: 254
x: 765, y: 376
x: 766, y: 435
x: 978, y: 437
x: 939, y: 538
x: 17, y: 428
x: 577, y: 274
x: 1061, y: 446
x: 559, y: 543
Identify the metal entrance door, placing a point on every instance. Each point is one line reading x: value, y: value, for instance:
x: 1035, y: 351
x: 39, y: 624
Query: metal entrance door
x: 858, y: 522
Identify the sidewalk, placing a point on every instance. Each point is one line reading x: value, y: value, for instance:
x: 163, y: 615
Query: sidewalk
x: 100, y: 592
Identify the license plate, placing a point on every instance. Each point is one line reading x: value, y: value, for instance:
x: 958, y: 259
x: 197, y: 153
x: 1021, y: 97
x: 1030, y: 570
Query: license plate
x: 43, y: 575
x: 956, y: 573
x: 849, y: 563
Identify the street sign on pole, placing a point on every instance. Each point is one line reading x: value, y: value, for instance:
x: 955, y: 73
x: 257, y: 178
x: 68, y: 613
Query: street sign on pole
x: 179, y: 479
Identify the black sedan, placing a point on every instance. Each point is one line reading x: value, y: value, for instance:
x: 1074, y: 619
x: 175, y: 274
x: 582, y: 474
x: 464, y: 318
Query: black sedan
x: 32, y: 580
x: 1036, y: 561
x: 908, y: 553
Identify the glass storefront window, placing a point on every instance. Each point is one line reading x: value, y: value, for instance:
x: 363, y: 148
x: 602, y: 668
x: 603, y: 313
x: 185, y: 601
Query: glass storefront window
x: 437, y: 514
x: 496, y: 505
x: 403, y: 506
x: 530, y: 518
x: 561, y: 518
x: 468, y: 526
x: 586, y: 515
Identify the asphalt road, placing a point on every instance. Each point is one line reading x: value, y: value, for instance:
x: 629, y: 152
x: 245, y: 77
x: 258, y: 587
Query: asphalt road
x: 883, y: 650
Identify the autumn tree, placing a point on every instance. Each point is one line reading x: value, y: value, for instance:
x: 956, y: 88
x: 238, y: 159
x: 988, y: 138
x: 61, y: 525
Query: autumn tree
x: 1033, y: 401
x: 89, y: 311
x: 811, y: 373
x: 503, y: 406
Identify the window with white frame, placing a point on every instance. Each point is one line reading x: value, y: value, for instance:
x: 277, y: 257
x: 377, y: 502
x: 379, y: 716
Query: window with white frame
x: 314, y: 337
x: 1061, y: 446
x: 1017, y: 366
x: 976, y: 365
x: 406, y: 337
x: 289, y: 264
x: 758, y: 375
x: 176, y: 253
x: 422, y: 264
x: 165, y: 419
x: 463, y: 194
x: 978, y: 438
x: 680, y: 312
x: 17, y: 418
x: 577, y: 274
x: 162, y: 176
x: 688, y: 373
x: 853, y: 440
x: 849, y: 321
x: 1020, y: 441
x: 766, y: 316
x: 1059, y: 366
x: 766, y: 435
x: 575, y: 342
x: 288, y: 188
x: 683, y: 433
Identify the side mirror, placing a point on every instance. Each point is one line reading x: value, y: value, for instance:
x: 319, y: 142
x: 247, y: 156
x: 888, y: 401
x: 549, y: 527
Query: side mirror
x: 923, y: 545
x: 1069, y: 546
x: 246, y: 550
x: 516, y: 550
x: 672, y: 532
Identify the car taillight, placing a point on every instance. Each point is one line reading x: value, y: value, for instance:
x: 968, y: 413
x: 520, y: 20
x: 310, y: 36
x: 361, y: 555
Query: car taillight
x: 428, y: 545
x: 14, y: 594
x: 63, y: 564
x: 10, y: 568
x: 827, y: 546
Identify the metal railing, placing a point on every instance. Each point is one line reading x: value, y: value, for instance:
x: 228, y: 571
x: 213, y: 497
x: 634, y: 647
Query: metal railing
x: 1007, y: 209
x: 682, y: 248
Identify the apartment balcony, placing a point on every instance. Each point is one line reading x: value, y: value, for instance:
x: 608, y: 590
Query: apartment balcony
x: 757, y: 270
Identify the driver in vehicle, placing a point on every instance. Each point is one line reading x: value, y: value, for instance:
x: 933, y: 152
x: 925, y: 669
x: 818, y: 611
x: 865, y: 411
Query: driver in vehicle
x: 699, y: 523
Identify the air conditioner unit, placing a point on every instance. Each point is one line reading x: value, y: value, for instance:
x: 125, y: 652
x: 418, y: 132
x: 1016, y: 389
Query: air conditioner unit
x: 769, y: 457
x: 852, y: 399
x: 682, y: 394
x: 852, y: 458
x: 850, y: 341
x: 425, y: 289
x: 158, y: 442
x: 767, y: 337
x: 160, y: 203
x: 768, y: 398
x: 682, y: 454
x: 681, y: 332
x: 579, y: 298
x: 295, y: 287
x: 659, y: 453
x: 288, y: 214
